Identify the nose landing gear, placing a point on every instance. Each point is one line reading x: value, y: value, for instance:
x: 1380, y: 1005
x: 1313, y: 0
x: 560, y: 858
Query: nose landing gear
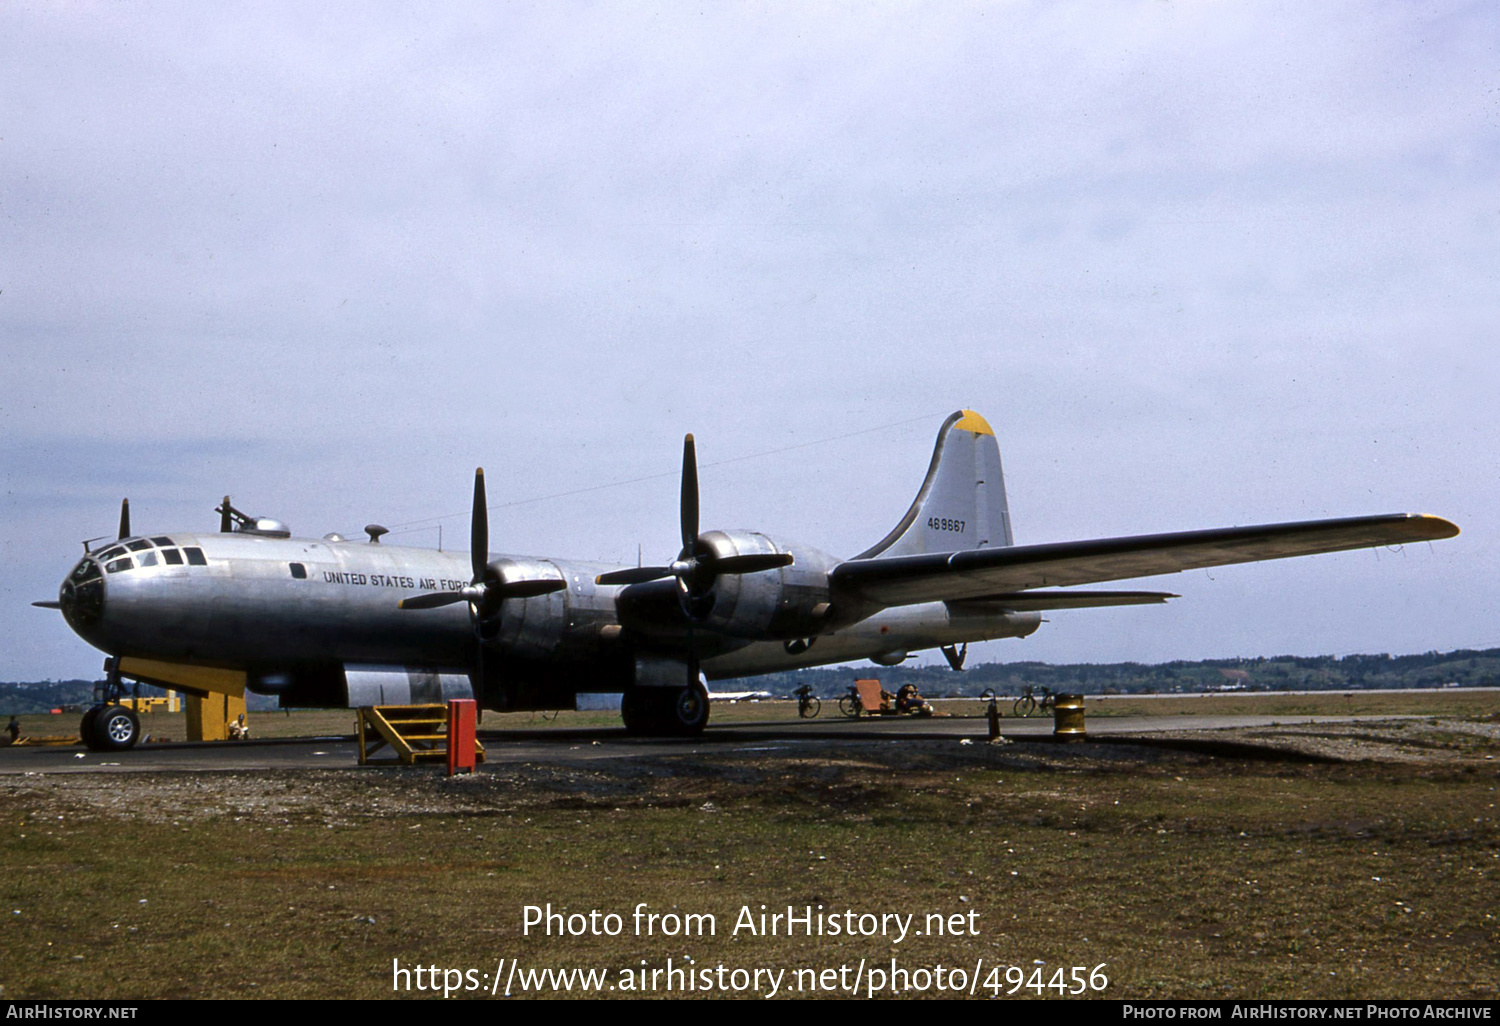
x: 109, y: 726
x: 114, y: 729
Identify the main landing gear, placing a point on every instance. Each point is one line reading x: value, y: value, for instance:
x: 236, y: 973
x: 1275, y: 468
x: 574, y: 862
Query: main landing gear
x: 665, y: 712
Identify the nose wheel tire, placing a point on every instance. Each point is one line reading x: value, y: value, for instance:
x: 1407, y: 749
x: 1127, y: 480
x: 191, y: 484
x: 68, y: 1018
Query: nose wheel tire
x: 113, y: 728
x: 86, y: 726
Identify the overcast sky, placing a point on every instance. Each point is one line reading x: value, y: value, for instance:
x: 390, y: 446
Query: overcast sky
x: 1198, y: 264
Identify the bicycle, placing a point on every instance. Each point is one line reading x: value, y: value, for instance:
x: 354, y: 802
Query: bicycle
x: 808, y: 704
x: 1028, y: 703
x: 850, y: 704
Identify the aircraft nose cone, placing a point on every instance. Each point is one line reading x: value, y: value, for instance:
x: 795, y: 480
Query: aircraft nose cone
x: 82, y: 596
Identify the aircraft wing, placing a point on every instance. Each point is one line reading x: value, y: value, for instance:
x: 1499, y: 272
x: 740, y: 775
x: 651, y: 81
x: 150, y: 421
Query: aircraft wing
x: 985, y: 572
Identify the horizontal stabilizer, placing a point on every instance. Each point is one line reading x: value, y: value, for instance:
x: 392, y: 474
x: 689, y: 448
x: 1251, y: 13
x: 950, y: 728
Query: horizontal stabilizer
x: 1040, y: 601
x: 976, y: 573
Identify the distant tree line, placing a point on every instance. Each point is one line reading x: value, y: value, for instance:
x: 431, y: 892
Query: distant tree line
x: 21, y: 699
x: 1465, y: 668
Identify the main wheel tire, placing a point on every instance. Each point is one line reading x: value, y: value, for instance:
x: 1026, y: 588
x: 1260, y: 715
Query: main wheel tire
x: 116, y: 728
x: 636, y: 712
x: 665, y: 712
x: 688, y: 713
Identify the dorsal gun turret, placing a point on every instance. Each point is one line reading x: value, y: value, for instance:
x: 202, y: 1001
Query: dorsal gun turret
x: 232, y: 521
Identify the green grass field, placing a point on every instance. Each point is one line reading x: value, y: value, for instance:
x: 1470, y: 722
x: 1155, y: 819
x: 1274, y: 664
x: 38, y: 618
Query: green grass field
x: 1373, y: 874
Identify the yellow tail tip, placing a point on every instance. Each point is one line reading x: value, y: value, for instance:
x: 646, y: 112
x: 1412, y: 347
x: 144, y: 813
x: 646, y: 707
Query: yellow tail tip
x: 971, y: 421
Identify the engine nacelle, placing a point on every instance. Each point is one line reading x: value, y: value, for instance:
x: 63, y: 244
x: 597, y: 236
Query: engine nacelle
x: 792, y: 602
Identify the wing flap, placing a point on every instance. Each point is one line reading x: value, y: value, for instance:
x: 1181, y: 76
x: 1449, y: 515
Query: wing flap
x: 978, y: 573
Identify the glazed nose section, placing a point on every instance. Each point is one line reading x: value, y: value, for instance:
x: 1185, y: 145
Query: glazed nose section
x: 82, y: 595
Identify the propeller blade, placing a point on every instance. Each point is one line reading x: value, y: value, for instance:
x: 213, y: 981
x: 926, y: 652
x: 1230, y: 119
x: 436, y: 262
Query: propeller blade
x: 526, y: 589
x: 432, y: 600
x: 689, y: 495
x: 226, y: 525
x: 479, y: 528
x: 48, y: 604
x: 695, y: 569
x: 635, y: 575
x: 479, y: 681
x: 753, y: 563
x: 124, y: 518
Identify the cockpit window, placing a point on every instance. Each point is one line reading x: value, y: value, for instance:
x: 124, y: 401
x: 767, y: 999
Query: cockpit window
x: 125, y: 563
x: 86, y: 569
x: 195, y: 557
x: 162, y: 541
x: 137, y: 545
x: 147, y: 558
x: 299, y: 571
x: 111, y: 553
x: 172, y: 557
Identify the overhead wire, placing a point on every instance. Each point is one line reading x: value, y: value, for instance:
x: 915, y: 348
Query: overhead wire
x: 427, y: 523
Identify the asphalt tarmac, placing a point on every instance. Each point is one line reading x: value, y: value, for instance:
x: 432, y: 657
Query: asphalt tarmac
x: 544, y: 745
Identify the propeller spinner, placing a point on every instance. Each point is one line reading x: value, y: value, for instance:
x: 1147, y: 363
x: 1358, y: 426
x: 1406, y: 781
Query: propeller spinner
x: 488, y: 590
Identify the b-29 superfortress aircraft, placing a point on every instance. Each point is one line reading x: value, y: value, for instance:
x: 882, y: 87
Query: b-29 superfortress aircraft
x: 332, y: 622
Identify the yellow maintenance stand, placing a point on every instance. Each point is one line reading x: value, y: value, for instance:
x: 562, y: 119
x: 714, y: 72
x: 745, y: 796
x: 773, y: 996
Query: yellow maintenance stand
x: 416, y: 733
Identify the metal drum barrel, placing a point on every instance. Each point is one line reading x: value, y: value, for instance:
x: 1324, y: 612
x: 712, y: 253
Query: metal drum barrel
x: 1067, y: 718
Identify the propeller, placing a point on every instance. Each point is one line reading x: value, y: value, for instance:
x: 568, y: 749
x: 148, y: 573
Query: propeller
x: 697, y: 566
x: 489, y: 589
x: 479, y: 547
x: 124, y: 518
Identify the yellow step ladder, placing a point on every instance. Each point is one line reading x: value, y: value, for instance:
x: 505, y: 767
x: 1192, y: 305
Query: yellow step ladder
x: 416, y: 733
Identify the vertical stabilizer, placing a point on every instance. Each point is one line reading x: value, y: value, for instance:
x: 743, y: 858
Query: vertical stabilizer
x: 962, y: 502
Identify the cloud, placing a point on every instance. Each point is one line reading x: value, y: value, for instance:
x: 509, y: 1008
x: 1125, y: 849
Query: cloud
x: 1194, y: 262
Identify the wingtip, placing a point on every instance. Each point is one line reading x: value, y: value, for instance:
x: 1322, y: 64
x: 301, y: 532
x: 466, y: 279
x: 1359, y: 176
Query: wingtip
x: 1436, y: 527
